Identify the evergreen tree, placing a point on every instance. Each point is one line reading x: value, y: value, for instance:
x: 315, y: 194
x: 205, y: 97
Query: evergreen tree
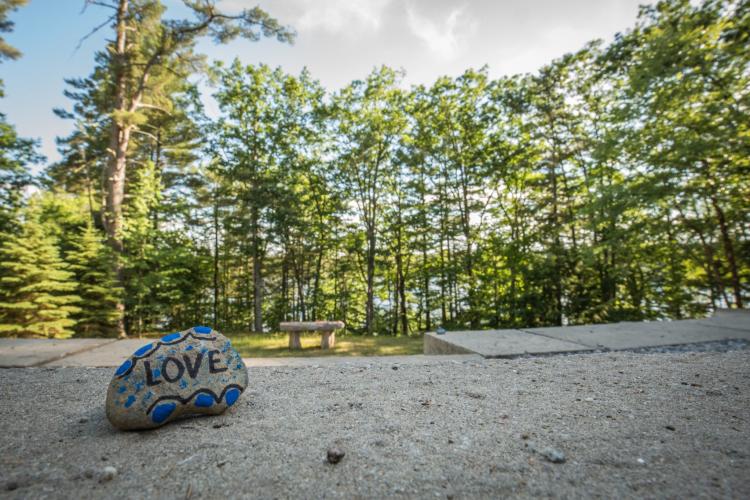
x: 37, y: 291
x: 15, y: 152
x: 147, y: 52
x: 7, y: 51
x: 97, y: 285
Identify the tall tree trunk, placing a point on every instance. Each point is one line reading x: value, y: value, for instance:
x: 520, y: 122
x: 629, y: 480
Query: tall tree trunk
x: 370, y: 307
x: 711, y: 266
x: 299, y: 275
x: 443, y: 280
x: 469, y: 258
x: 401, y: 288
x: 426, y: 287
x: 674, y: 307
x: 557, y: 251
x: 452, y: 312
x: 396, y: 301
x: 216, y: 260
x: 114, y: 171
x: 728, y: 252
x: 316, y: 285
x: 257, y: 274
x: 425, y: 272
x: 284, y: 288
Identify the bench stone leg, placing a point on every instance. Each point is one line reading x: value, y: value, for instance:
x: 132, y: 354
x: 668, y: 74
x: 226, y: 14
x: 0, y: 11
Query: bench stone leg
x: 328, y: 340
x: 294, y: 342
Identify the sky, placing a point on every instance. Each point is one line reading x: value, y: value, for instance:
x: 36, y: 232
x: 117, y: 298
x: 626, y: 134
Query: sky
x: 337, y: 40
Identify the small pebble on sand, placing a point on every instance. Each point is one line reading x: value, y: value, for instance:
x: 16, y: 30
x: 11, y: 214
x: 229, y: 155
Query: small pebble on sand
x: 553, y: 455
x: 108, y: 474
x: 335, y: 455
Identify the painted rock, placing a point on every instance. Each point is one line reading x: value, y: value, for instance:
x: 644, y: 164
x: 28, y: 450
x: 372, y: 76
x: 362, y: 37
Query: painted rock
x: 192, y: 372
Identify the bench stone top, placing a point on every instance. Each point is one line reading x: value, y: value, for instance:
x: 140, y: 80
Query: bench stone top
x: 310, y: 326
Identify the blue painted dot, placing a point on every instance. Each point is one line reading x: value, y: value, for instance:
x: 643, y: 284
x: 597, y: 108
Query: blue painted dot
x: 183, y: 384
x: 157, y: 372
x: 130, y: 401
x: 189, y: 348
x: 232, y: 395
x: 121, y: 389
x: 204, y: 401
x: 162, y: 412
x: 170, y: 337
x: 124, y: 367
x: 143, y: 350
x: 202, y: 329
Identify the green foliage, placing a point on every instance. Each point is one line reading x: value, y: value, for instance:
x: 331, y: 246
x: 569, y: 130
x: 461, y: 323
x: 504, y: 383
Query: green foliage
x: 165, y: 272
x: 610, y: 185
x: 271, y: 191
x: 370, y: 120
x: 15, y: 154
x: 37, y: 290
x: 7, y: 51
x: 90, y: 260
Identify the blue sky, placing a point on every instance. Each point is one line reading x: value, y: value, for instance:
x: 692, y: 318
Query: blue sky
x: 338, y: 41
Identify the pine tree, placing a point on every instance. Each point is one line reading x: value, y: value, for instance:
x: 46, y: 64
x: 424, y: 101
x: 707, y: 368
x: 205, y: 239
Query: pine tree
x: 37, y: 292
x: 15, y: 152
x: 97, y: 286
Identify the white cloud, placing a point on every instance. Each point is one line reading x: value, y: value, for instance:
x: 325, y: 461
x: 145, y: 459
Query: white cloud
x: 338, y: 17
x: 341, y: 16
x: 445, y: 39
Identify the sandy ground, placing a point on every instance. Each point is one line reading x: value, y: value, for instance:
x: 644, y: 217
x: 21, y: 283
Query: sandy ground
x: 627, y: 424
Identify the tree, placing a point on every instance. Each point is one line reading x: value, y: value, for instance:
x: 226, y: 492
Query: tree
x: 459, y: 123
x: 265, y: 147
x: 146, y: 53
x: 688, y: 102
x: 90, y: 260
x: 7, y: 51
x: 15, y: 152
x: 609, y: 185
x: 37, y: 290
x: 370, y: 120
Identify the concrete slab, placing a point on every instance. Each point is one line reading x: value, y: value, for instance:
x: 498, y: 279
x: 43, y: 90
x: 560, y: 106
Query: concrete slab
x: 35, y: 352
x: 632, y: 335
x: 498, y: 343
x: 630, y: 426
x: 439, y: 344
x: 736, y: 319
x: 111, y: 354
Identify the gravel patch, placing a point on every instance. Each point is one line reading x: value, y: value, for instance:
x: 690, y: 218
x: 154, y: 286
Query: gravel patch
x: 714, y: 346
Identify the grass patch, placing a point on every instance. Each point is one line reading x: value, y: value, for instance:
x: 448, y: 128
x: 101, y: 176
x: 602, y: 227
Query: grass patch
x: 276, y: 345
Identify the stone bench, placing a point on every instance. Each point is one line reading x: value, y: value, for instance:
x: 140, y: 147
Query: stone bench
x: 326, y: 328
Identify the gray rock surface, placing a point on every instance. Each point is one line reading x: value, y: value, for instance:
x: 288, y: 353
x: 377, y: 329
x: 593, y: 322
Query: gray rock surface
x: 443, y: 429
x: 35, y: 352
x: 192, y: 372
x: 727, y: 326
